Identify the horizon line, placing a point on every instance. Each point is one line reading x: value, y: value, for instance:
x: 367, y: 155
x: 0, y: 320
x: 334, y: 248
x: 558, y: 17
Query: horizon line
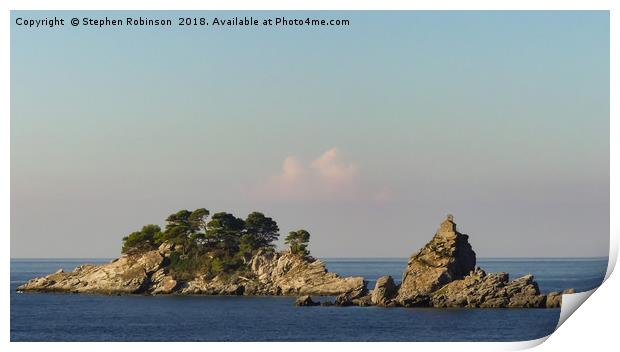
x: 399, y: 258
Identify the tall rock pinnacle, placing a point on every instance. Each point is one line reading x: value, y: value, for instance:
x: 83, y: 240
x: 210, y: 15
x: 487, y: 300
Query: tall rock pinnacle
x: 447, y: 257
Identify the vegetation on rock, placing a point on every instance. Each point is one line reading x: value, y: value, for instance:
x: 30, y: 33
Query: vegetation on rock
x: 142, y: 240
x: 298, y: 242
x: 215, y: 245
x: 226, y: 255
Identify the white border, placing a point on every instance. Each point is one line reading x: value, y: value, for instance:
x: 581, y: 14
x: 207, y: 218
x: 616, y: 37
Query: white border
x: 593, y: 325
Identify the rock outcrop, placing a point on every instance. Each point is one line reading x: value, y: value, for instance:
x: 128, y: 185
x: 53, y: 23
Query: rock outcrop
x: 482, y: 290
x: 269, y: 274
x: 288, y: 274
x: 384, y: 292
x: 554, y: 299
x: 447, y: 257
x: 125, y: 275
x: 442, y: 274
x: 358, y: 297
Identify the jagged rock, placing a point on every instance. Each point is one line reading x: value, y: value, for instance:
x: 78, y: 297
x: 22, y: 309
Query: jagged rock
x: 289, y: 274
x: 354, y: 297
x: 166, y: 248
x: 280, y: 274
x: 447, y: 257
x: 162, y: 283
x: 129, y: 274
x: 305, y: 301
x: 524, y: 293
x: 365, y: 301
x: 146, y: 272
x: 554, y: 300
x: 344, y: 300
x: 441, y: 274
x: 482, y: 290
x: 219, y: 285
x: 385, y: 290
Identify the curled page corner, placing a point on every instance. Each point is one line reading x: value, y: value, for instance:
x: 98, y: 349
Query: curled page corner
x: 570, y: 303
x: 524, y: 345
x: 613, y: 256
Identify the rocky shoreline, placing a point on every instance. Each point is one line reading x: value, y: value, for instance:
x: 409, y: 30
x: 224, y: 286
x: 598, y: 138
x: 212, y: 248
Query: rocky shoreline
x: 443, y: 274
x: 146, y: 273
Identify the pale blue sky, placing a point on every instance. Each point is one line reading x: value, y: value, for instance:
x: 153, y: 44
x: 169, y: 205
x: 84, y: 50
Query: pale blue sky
x: 501, y: 118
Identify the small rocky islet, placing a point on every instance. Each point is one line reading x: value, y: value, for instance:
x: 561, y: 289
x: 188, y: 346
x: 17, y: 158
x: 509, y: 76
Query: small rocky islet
x: 443, y: 274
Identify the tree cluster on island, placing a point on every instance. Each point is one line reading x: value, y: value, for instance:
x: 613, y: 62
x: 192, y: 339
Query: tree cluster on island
x: 213, y: 245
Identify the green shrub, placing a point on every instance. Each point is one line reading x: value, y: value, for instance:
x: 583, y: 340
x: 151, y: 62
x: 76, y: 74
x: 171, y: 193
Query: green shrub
x: 141, y: 240
x: 218, y: 244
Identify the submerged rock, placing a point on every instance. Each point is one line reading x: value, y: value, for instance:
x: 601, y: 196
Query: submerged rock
x: 305, y: 301
x: 365, y: 301
x: 358, y: 297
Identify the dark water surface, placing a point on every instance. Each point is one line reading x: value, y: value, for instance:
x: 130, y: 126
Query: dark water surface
x: 72, y: 317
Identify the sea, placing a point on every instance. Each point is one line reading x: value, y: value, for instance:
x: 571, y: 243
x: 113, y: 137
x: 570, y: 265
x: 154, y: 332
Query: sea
x: 87, y: 317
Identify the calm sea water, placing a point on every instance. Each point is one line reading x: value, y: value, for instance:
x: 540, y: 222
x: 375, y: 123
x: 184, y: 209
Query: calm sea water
x: 72, y: 317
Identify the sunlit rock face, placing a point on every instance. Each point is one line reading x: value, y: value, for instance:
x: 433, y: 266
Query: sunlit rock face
x: 269, y: 273
x: 443, y: 274
x: 447, y: 257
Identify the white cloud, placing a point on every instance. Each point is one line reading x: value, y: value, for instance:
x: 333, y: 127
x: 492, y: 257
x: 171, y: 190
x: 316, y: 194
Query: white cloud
x: 292, y: 169
x: 334, y: 171
x: 330, y: 176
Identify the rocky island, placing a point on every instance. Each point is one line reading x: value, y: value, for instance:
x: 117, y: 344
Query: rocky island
x: 226, y: 255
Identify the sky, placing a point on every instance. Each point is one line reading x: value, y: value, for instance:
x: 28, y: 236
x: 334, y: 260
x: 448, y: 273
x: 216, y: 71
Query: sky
x: 365, y: 135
